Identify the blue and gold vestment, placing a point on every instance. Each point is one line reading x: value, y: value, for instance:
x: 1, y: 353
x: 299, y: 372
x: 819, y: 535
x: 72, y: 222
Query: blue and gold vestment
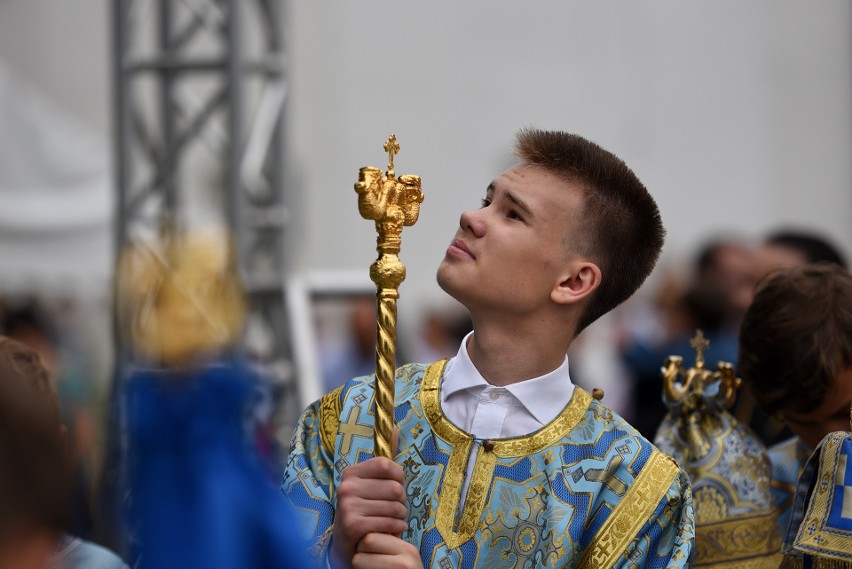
x: 787, y: 458
x: 585, y: 490
x: 820, y: 532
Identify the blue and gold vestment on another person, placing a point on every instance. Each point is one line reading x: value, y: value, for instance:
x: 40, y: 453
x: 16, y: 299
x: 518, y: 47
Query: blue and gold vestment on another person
x: 585, y: 490
x: 820, y: 531
x: 787, y: 458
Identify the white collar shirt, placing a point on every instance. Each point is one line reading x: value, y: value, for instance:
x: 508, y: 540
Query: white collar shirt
x: 487, y: 411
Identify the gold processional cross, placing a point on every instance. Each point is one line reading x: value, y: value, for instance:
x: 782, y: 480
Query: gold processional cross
x: 699, y: 343
x: 392, y: 203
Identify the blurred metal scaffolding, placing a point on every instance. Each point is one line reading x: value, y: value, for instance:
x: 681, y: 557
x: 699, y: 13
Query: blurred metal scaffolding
x: 200, y: 87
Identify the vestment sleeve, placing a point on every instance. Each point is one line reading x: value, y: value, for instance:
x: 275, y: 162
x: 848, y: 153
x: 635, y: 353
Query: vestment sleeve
x: 667, y: 539
x: 308, y: 478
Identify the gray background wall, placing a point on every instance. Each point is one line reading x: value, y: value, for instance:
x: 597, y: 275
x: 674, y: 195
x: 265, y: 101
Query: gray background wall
x: 737, y: 116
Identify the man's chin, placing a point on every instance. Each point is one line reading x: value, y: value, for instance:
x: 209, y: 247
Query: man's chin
x: 444, y: 280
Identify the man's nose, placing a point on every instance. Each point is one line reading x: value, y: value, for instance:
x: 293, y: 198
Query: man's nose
x: 472, y: 222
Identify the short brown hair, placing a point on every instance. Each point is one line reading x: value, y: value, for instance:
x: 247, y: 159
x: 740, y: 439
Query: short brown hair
x: 623, y: 232
x: 797, y: 336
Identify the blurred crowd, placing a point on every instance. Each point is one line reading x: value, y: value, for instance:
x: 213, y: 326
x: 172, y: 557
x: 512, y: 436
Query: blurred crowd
x: 711, y: 292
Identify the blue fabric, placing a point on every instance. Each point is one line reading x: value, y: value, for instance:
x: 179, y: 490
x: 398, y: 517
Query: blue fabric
x: 199, y: 497
x: 75, y: 553
x: 787, y: 458
x: 842, y: 492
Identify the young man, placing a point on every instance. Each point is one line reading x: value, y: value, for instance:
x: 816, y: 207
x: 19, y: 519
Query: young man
x: 501, y: 461
x: 796, y: 355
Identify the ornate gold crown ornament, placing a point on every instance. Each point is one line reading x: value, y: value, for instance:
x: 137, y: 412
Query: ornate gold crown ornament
x: 691, y: 389
x: 392, y: 203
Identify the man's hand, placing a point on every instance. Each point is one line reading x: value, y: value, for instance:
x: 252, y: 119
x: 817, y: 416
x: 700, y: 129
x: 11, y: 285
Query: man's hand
x: 370, y: 499
x: 385, y: 551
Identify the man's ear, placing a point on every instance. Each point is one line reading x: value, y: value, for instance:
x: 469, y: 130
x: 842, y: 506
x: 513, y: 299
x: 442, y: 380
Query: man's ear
x: 577, y: 284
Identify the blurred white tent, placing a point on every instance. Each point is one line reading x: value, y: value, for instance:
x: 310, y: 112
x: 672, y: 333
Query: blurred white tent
x: 56, y: 203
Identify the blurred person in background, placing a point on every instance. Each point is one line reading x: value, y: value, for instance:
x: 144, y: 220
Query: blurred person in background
x: 198, y: 494
x: 28, y: 321
x: 353, y: 352
x: 35, y: 474
x: 795, y: 356
x: 793, y: 248
x: 716, y: 294
x: 442, y: 327
x: 781, y: 249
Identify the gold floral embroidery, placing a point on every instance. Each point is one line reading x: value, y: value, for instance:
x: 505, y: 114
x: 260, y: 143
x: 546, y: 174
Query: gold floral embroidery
x: 738, y: 540
x: 329, y: 418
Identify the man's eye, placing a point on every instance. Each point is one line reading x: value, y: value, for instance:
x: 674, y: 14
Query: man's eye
x: 485, y: 202
x: 514, y: 215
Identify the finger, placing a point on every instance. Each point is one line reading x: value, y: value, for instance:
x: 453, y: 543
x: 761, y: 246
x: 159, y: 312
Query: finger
x: 381, y: 543
x: 386, y: 551
x: 380, y: 525
x: 378, y: 468
x: 366, y: 489
x: 374, y: 508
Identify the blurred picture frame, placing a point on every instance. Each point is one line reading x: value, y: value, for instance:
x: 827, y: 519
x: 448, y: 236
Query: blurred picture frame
x: 319, y: 301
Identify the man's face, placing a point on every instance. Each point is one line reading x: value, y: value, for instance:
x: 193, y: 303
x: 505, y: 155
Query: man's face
x: 509, y: 254
x: 832, y: 415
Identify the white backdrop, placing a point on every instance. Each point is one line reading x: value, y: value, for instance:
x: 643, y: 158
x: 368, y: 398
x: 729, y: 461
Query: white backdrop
x: 735, y: 115
x: 56, y: 203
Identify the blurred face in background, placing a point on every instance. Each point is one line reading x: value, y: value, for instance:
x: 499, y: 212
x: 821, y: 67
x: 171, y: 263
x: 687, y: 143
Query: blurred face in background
x: 770, y: 257
x: 733, y: 271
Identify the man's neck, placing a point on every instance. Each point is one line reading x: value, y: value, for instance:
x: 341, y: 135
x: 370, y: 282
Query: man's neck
x: 507, y: 354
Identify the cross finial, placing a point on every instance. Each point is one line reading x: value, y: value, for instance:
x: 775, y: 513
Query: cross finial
x: 699, y: 343
x: 391, y: 147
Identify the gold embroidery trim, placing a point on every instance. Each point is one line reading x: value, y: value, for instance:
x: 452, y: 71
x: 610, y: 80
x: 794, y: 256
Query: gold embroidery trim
x: 631, y: 513
x: 450, y: 495
x: 752, y: 539
x: 770, y: 561
x: 483, y: 469
x: 329, y: 418
x: 814, y: 536
x: 512, y: 447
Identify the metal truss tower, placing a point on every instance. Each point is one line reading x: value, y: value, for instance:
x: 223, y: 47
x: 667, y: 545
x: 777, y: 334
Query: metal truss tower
x: 200, y: 87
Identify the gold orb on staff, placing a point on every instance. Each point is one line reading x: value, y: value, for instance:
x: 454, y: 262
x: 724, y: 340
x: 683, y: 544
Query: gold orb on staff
x: 392, y: 203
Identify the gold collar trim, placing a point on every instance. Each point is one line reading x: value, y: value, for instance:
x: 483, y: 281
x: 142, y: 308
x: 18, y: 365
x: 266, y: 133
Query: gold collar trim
x: 513, y: 447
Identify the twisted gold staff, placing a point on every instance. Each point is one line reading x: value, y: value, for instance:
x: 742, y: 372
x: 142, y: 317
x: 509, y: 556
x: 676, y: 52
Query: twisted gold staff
x: 391, y: 203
